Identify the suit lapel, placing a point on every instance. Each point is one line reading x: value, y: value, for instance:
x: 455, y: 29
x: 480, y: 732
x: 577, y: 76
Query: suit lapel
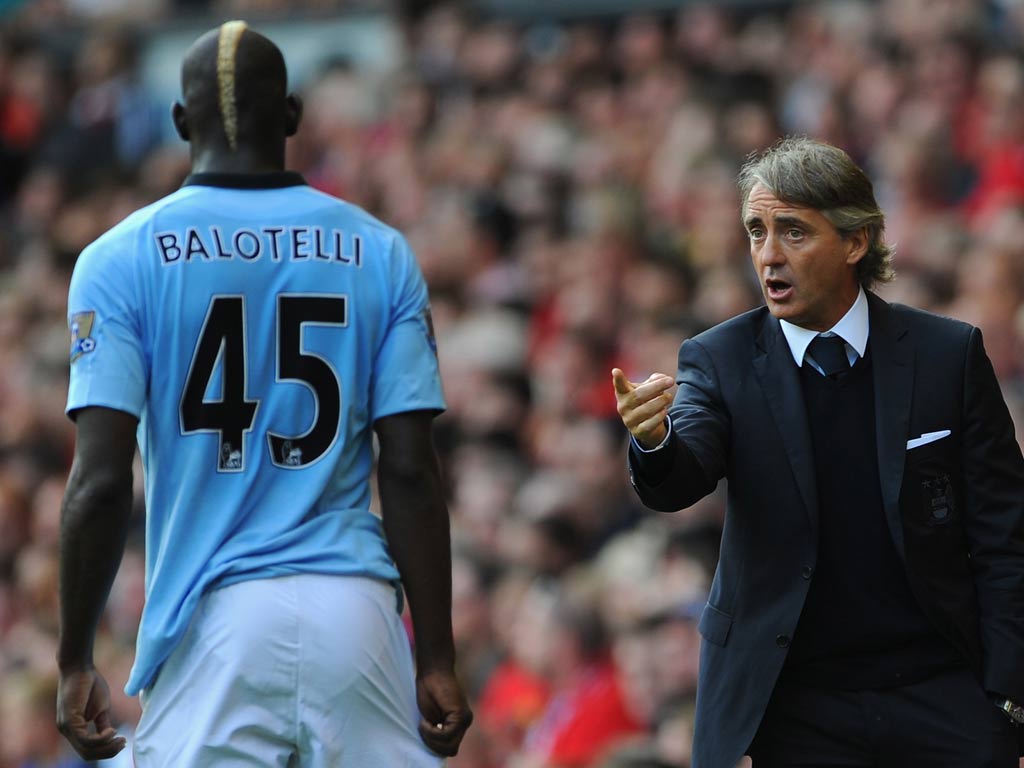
x: 780, y: 380
x: 893, y: 369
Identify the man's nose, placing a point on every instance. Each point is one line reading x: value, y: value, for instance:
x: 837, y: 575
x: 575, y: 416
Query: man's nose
x: 770, y: 254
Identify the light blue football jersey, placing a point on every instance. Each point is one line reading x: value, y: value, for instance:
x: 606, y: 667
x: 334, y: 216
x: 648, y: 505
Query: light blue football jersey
x: 257, y: 328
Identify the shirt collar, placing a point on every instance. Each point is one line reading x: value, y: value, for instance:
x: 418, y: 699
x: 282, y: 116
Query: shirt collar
x: 852, y: 328
x: 268, y: 180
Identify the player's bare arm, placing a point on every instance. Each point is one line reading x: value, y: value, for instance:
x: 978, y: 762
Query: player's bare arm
x: 644, y: 407
x: 94, y: 525
x: 416, y: 526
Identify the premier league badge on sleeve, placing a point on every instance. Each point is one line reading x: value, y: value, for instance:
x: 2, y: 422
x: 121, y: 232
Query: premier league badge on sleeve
x: 428, y: 321
x: 82, y: 341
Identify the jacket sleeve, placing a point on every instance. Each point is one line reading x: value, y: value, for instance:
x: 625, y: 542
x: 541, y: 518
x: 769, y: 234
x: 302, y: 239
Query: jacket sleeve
x: 690, y: 465
x: 994, y: 522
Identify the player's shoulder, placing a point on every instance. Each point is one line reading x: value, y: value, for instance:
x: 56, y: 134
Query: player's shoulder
x: 118, y: 241
x: 109, y: 265
x: 386, y: 249
x: 357, y: 216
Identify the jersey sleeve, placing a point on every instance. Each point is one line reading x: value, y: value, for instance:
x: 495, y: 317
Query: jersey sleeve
x: 107, y: 357
x: 405, y: 374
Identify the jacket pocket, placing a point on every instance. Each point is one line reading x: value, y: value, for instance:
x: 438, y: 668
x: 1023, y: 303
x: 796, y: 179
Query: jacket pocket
x: 714, y: 625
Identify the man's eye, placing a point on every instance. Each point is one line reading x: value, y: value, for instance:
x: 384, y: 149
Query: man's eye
x: 755, y: 234
x: 795, y: 234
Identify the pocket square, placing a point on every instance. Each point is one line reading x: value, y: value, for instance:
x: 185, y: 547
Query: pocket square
x: 927, y: 437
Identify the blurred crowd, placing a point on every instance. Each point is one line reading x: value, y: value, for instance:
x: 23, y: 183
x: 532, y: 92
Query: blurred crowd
x: 569, y: 189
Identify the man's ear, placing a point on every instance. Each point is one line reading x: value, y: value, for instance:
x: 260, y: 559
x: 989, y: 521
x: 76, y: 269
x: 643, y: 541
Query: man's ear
x: 293, y: 114
x: 857, y: 245
x: 180, y: 120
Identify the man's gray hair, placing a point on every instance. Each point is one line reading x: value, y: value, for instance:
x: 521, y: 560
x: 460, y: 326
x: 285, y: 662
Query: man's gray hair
x: 813, y: 174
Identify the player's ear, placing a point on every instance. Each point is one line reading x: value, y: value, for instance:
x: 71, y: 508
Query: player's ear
x: 293, y: 114
x: 180, y: 120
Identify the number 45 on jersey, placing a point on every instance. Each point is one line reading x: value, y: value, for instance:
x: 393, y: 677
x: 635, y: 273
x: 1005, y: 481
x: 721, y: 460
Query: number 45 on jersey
x: 223, y: 341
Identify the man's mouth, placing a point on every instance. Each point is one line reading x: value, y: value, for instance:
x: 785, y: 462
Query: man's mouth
x: 778, y: 290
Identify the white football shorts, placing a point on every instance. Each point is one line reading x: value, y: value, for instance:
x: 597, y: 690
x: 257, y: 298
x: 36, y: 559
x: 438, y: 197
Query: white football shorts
x: 303, y: 671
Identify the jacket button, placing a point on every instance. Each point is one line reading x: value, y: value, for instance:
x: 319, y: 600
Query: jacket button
x: 807, y: 571
x: 782, y: 641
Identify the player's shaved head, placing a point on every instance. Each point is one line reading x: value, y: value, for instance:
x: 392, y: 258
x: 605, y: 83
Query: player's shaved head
x: 234, y: 85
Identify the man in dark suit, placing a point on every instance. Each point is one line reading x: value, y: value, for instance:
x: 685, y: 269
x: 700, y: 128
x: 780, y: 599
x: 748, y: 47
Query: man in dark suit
x: 868, y: 607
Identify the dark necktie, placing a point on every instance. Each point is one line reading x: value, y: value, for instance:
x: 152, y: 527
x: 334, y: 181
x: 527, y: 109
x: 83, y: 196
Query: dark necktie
x: 829, y: 352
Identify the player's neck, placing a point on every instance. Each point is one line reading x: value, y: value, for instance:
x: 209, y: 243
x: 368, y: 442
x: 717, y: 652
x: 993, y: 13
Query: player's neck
x: 243, y: 160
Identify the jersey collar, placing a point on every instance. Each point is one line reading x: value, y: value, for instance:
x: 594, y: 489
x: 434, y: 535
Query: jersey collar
x: 272, y: 180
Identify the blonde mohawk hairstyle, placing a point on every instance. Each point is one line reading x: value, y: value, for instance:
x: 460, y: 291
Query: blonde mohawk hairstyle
x: 227, y: 47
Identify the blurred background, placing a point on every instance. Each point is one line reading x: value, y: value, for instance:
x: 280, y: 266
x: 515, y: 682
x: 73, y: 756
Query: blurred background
x: 565, y: 171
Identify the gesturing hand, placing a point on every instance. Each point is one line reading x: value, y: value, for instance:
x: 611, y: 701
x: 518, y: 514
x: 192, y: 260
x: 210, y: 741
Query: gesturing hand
x: 83, y: 699
x: 644, y: 407
x: 445, y: 713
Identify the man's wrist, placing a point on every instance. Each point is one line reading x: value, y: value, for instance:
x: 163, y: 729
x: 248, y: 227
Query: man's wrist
x: 74, y: 653
x: 661, y: 444
x: 67, y: 666
x: 444, y: 664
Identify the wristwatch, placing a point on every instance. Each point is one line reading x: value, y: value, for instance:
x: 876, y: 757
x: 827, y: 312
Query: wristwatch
x: 1013, y: 710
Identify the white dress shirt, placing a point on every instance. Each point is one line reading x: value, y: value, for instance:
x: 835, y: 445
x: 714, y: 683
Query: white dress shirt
x: 851, y: 328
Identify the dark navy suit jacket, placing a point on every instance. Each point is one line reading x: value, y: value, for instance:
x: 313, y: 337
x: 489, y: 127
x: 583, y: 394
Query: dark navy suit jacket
x: 739, y: 414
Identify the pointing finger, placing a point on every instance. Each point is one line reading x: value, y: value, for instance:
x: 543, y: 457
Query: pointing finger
x: 622, y: 385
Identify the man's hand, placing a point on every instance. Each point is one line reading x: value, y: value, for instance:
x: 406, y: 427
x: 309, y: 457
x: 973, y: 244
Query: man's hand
x: 644, y: 407
x: 83, y: 700
x: 445, y: 712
